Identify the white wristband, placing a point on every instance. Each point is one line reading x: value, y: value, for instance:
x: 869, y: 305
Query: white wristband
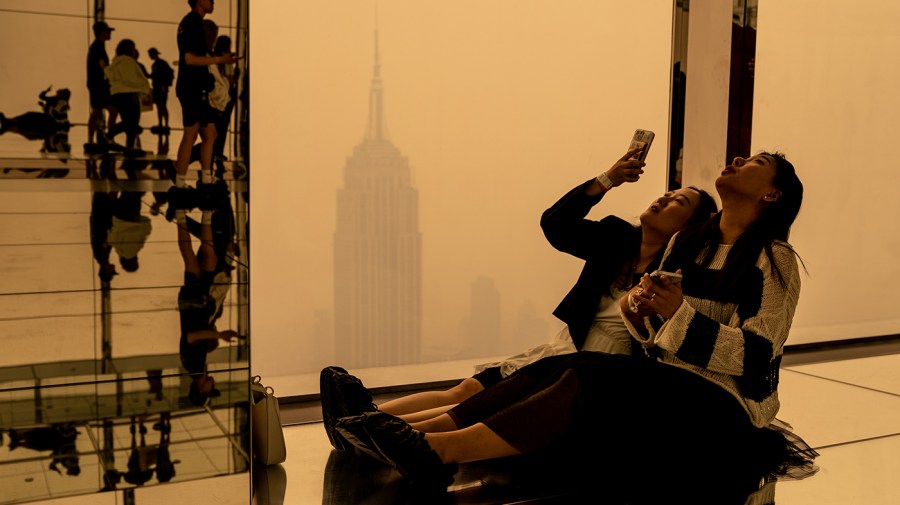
x: 604, y: 181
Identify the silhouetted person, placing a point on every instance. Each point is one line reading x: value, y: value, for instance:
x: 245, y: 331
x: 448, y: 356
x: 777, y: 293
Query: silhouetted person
x: 127, y: 84
x: 50, y: 125
x: 165, y: 467
x: 163, y: 76
x: 51, y: 120
x: 57, y: 107
x: 129, y: 229
x: 199, y: 302
x: 222, y: 96
x: 98, y: 86
x: 102, y: 209
x: 142, y: 458
x: 192, y: 86
x: 57, y: 438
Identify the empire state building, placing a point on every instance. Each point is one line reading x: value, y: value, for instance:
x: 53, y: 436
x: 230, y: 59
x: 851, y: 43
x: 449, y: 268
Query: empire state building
x: 377, y: 250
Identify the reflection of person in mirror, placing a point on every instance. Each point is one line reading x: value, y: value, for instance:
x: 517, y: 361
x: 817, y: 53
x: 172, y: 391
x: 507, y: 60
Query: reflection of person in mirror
x: 163, y: 76
x: 98, y: 86
x: 58, y: 438
x: 192, y: 86
x: 165, y: 467
x: 221, y: 97
x: 142, y: 458
x: 116, y: 224
x: 103, y: 205
x: 200, y: 304
x: 52, y: 120
x: 57, y: 107
x: 129, y: 229
x: 127, y: 84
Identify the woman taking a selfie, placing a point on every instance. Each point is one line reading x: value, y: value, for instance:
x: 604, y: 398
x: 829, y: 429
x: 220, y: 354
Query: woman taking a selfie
x: 706, y: 402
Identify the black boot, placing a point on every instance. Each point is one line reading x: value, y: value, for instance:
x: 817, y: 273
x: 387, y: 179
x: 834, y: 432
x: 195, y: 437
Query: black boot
x: 395, y: 442
x: 342, y: 395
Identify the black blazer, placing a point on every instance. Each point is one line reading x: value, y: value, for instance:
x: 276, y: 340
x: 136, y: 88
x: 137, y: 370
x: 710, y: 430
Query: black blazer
x: 606, y: 246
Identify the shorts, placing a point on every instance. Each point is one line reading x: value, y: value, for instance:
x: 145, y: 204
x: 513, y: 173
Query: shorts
x: 160, y: 94
x: 100, y: 96
x: 195, y: 109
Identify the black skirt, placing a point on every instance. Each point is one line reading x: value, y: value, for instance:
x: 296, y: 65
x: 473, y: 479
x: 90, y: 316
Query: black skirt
x: 623, y: 414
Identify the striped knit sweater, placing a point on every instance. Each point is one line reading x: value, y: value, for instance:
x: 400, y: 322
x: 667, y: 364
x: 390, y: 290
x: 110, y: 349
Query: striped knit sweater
x: 734, y: 338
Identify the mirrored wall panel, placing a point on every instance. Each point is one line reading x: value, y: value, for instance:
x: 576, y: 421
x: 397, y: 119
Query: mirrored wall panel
x: 124, y: 313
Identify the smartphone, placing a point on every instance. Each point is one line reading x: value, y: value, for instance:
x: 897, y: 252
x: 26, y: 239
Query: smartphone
x: 672, y: 276
x: 641, y: 139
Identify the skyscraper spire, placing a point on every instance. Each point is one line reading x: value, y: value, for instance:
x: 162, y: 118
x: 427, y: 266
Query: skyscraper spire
x: 376, y: 130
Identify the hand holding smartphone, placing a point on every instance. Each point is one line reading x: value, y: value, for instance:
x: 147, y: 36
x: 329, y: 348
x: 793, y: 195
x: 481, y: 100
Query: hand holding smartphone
x: 641, y: 140
x: 673, y: 277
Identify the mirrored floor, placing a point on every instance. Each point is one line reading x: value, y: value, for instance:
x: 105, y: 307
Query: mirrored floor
x: 105, y: 381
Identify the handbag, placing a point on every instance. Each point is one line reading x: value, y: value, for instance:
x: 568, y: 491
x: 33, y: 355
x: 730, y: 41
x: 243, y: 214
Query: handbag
x: 267, y: 437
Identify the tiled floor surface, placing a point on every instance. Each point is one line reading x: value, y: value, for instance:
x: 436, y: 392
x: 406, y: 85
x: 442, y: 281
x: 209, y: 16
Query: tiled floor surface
x: 848, y: 410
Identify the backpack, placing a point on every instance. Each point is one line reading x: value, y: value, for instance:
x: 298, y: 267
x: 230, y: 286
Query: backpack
x: 163, y: 75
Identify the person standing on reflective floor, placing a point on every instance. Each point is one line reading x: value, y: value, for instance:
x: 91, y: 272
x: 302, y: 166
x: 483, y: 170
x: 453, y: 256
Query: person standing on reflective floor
x: 98, y: 86
x: 192, y: 86
x: 162, y: 76
x: 127, y: 84
x: 707, y: 402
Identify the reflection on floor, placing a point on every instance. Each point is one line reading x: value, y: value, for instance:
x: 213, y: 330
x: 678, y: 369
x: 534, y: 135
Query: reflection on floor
x: 848, y: 410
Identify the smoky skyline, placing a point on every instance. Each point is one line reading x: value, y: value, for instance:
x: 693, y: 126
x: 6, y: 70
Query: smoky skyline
x: 499, y: 110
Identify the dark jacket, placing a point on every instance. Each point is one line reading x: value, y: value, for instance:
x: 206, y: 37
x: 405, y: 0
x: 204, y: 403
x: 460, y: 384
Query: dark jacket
x: 607, y: 246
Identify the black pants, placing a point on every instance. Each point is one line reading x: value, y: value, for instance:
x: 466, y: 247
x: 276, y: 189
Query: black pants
x: 129, y: 107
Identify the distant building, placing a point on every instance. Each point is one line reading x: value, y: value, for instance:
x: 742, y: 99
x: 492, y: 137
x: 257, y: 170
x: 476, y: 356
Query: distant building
x: 377, y: 251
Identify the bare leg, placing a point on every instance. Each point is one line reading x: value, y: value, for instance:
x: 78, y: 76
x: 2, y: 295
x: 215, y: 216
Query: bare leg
x: 427, y: 400
x: 94, y: 124
x: 208, y: 136
x: 187, y: 250
x: 206, y: 244
x: 424, y: 415
x: 184, y: 149
x: 439, y: 424
x: 475, y: 443
x: 113, y: 115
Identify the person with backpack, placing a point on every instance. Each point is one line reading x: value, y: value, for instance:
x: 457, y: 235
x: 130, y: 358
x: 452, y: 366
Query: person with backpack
x: 163, y: 76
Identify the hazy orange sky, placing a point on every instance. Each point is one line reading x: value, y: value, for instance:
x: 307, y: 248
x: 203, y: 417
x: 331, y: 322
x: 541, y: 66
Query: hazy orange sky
x: 500, y: 108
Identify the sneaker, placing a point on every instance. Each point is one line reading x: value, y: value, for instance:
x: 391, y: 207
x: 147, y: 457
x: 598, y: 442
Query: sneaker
x: 212, y: 196
x: 182, y: 198
x: 395, y: 442
x: 341, y: 395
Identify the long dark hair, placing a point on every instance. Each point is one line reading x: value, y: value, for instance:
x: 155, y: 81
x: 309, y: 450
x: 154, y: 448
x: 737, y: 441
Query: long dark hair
x: 125, y: 47
x: 773, y: 224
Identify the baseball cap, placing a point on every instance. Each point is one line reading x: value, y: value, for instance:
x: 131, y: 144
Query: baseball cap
x: 101, y: 26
